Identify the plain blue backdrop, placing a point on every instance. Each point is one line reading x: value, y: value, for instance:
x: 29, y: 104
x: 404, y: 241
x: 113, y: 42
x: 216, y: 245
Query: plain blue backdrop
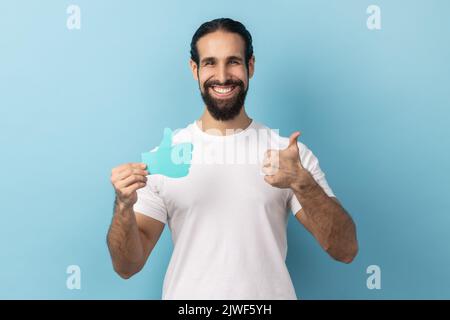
x: 373, y: 105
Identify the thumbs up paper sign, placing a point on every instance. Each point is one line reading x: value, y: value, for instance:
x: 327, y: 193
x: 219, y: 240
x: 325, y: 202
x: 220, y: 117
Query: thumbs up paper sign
x: 171, y: 161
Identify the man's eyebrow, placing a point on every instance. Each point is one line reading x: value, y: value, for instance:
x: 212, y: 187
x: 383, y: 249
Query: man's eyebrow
x: 235, y: 58
x: 208, y: 59
x: 212, y: 59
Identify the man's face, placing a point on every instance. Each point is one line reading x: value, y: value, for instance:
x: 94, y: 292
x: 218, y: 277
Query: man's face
x: 222, y: 73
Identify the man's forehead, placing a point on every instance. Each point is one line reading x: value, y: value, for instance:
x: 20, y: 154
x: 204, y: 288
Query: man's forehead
x: 221, y: 44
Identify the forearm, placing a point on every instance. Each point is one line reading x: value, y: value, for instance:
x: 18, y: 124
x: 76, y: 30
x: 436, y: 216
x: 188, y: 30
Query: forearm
x: 326, y: 219
x: 124, y: 241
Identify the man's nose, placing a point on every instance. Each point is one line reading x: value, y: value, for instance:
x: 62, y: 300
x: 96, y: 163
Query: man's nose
x: 222, y: 73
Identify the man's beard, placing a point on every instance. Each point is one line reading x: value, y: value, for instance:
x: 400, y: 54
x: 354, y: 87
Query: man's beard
x: 224, y: 109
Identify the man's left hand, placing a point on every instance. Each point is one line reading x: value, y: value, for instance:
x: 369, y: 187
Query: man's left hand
x: 283, y: 168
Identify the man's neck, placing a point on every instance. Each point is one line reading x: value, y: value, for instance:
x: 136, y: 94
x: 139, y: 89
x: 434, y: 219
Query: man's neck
x: 208, y: 123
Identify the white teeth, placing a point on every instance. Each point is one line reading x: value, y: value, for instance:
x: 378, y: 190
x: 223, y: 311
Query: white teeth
x: 222, y: 90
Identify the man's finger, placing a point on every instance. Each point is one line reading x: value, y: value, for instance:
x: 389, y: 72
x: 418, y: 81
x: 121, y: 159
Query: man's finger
x: 125, y: 173
x: 130, y: 180
x: 266, y: 170
x: 293, y: 139
x: 271, y: 153
x: 266, y: 161
x: 130, y: 189
x: 123, y: 167
x: 270, y: 170
x: 269, y: 179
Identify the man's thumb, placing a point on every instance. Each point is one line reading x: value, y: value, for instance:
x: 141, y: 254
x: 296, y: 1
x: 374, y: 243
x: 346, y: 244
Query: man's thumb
x: 293, y: 139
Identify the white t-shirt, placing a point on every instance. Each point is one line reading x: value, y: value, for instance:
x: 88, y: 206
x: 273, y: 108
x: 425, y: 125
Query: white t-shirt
x: 228, y: 225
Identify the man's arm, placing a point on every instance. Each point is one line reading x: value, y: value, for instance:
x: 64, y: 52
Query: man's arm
x: 325, y: 218
x: 131, y: 239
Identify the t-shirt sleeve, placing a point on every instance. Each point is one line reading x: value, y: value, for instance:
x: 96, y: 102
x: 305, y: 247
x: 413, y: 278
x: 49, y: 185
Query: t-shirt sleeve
x: 310, y: 163
x: 149, y: 201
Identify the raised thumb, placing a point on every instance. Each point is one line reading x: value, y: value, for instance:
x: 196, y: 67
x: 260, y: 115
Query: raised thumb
x: 293, y: 139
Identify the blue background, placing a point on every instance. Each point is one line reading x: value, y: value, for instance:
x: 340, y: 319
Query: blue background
x: 372, y: 105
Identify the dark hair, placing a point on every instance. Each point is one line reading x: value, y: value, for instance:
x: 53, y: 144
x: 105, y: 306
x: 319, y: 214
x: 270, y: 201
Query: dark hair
x: 225, y: 24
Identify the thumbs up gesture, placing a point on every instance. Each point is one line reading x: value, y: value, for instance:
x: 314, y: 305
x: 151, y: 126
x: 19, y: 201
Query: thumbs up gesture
x: 283, y: 167
x: 171, y: 161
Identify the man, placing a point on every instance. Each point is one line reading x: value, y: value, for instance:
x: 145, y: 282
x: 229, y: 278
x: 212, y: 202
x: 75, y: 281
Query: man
x: 228, y: 218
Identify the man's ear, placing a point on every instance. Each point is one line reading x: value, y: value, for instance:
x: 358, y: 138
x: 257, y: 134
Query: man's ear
x: 194, y: 69
x: 251, y: 66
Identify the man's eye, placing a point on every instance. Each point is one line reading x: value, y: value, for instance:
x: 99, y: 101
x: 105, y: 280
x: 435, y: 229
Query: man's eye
x: 208, y: 63
x: 234, y: 62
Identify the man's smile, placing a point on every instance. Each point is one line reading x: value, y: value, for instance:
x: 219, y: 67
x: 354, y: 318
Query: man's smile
x: 223, y: 91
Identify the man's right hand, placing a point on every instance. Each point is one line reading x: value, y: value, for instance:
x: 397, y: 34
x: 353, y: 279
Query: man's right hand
x: 126, y: 179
